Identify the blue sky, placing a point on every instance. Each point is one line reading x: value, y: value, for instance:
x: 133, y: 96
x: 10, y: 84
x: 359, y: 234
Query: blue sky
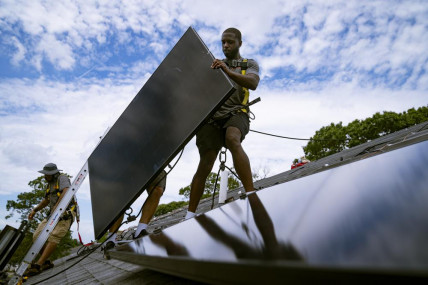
x: 68, y: 69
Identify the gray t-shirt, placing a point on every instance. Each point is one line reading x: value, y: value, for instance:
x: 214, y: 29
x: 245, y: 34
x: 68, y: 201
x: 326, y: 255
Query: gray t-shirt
x: 237, y: 97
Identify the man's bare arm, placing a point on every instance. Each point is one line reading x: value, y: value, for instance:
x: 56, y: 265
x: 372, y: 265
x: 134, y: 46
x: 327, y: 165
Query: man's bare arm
x: 250, y: 81
x: 39, y: 207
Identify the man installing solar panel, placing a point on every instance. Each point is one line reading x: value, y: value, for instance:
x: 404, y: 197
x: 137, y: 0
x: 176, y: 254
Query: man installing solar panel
x: 230, y: 123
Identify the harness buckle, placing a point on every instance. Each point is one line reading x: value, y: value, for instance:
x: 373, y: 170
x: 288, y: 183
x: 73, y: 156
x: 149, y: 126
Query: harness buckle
x: 237, y: 63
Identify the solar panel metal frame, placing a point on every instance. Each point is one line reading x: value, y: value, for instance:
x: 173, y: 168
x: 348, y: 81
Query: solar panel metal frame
x: 151, y: 131
x: 10, y: 239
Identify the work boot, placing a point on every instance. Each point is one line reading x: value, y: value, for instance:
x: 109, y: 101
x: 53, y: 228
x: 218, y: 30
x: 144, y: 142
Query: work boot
x: 33, y: 270
x: 47, y: 265
x: 109, y: 245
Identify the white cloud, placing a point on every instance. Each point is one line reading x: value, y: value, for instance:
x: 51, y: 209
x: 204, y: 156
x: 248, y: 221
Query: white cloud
x: 19, y: 55
x: 58, y: 53
x: 375, y: 33
x: 25, y: 153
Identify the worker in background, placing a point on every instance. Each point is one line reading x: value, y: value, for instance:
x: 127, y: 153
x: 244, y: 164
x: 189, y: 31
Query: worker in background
x: 58, y: 184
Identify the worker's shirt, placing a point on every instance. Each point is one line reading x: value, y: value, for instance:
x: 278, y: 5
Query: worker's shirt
x: 61, y: 183
x: 237, y: 97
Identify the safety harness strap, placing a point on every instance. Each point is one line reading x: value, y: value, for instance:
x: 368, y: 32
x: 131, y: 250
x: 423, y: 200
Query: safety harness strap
x: 56, y: 187
x: 246, y: 91
x: 73, y: 207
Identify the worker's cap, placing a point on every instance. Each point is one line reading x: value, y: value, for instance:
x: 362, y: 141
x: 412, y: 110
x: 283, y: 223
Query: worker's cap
x: 50, y: 169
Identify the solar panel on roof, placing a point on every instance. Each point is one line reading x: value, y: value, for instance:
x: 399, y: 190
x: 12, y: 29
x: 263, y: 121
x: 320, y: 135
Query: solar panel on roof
x: 362, y: 221
x: 165, y: 114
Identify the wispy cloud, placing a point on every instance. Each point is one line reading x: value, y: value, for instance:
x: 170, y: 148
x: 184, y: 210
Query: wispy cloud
x: 385, y: 41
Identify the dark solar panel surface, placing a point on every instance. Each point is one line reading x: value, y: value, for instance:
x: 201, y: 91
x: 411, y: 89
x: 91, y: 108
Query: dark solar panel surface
x: 164, y: 115
x: 367, y: 214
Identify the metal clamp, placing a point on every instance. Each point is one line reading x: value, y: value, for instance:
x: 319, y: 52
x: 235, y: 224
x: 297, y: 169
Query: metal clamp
x: 222, y: 155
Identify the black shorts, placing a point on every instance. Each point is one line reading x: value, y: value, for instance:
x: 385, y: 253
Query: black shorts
x: 160, y: 181
x: 212, y: 135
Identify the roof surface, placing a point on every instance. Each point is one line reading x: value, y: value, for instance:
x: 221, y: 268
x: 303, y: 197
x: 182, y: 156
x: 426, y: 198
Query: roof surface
x: 95, y: 269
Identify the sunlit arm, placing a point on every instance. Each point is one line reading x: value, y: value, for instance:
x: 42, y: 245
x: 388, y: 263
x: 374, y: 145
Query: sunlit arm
x: 250, y: 81
x: 39, y: 207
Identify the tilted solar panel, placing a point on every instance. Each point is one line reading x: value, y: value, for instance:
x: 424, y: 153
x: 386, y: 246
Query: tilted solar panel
x: 165, y: 114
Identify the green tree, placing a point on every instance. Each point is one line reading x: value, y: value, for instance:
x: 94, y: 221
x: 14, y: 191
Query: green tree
x: 22, y: 206
x: 326, y: 141
x: 209, y: 185
x: 166, y: 208
x: 335, y: 137
x: 27, y: 200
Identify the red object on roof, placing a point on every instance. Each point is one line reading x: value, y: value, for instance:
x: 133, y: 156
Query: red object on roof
x: 297, y: 164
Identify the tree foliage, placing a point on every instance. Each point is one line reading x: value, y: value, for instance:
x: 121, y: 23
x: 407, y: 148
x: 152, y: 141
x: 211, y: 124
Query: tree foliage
x: 22, y: 206
x: 166, y: 208
x: 336, y: 137
x: 185, y: 191
x: 210, y: 185
x: 28, y: 200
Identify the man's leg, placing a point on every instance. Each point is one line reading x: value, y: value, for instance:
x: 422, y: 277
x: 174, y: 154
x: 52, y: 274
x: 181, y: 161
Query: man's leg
x: 116, y: 225
x: 240, y: 158
x: 112, y: 232
x: 206, y: 163
x: 148, y: 210
x: 149, y: 207
x: 43, y: 249
x: 60, y: 230
x: 37, y: 267
x: 49, y: 248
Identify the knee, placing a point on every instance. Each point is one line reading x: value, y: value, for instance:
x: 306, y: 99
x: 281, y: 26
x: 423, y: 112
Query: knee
x: 157, y: 192
x: 233, y: 141
x: 206, y: 162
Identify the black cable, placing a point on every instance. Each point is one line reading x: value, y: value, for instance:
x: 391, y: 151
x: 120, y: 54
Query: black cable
x: 299, y: 139
x: 290, y: 138
x: 236, y: 175
x: 215, y: 187
x: 83, y: 249
x: 181, y: 153
x: 218, y: 173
